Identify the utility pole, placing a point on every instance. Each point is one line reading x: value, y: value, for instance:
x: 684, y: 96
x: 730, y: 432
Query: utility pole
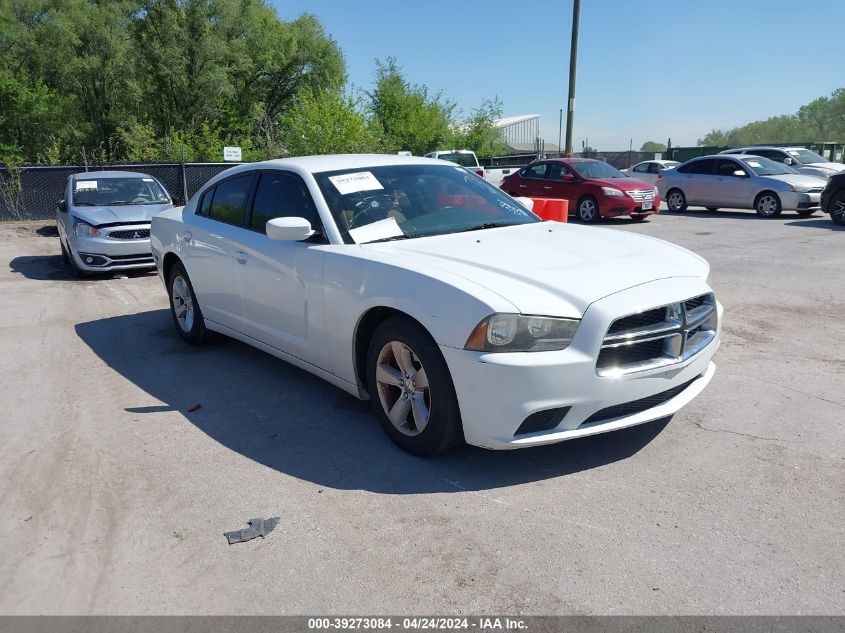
x: 573, y: 59
x: 559, y: 128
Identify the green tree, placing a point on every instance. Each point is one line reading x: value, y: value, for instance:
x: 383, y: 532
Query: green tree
x: 407, y: 117
x: 652, y: 146
x: 326, y: 122
x: 479, y: 132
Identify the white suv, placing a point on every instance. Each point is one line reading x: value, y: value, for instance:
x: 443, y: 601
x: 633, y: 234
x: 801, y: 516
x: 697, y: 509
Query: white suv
x: 800, y: 159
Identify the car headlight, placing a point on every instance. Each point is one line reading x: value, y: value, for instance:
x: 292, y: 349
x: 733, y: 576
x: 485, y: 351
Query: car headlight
x: 611, y: 191
x: 83, y: 229
x: 503, y: 332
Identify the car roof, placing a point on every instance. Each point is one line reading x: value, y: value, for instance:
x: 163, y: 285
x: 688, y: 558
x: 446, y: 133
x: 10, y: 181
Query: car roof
x: 90, y: 175
x: 721, y: 156
x: 317, y: 164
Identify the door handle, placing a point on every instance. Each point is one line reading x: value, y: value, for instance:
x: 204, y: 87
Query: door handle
x: 241, y: 257
x: 523, y: 186
x: 546, y: 187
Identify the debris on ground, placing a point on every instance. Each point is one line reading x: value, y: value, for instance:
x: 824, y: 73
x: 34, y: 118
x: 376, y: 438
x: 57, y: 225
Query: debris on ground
x: 257, y: 527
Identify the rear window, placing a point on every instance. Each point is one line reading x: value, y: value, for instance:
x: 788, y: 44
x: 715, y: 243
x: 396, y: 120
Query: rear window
x: 464, y: 160
x: 230, y: 198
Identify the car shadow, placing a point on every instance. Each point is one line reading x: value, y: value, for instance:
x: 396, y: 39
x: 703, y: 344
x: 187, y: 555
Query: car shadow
x: 733, y: 214
x: 287, y: 419
x: 818, y: 223
x: 53, y: 268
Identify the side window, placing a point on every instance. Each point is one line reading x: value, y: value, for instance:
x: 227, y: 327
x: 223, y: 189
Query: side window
x: 555, y: 170
x: 701, y: 166
x: 643, y: 168
x: 282, y: 196
x: 535, y: 171
x: 727, y: 167
x: 230, y: 199
x: 205, y: 203
x: 656, y: 168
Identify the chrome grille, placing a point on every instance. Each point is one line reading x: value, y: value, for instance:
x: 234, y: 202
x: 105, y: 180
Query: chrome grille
x: 641, y: 194
x: 130, y: 234
x: 658, y: 337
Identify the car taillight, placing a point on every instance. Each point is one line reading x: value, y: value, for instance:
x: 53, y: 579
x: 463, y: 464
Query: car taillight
x: 659, y: 176
x: 479, y: 172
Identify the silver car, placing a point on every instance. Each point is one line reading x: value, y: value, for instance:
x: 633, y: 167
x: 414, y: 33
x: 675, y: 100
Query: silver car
x: 741, y: 182
x: 648, y: 170
x: 800, y: 159
x: 104, y: 220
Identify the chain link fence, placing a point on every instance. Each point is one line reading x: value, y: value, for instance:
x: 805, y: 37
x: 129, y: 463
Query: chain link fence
x: 31, y: 193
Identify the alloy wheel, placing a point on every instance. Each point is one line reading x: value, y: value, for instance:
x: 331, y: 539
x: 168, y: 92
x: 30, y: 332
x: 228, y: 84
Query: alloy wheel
x: 403, y: 389
x: 183, y: 304
x: 837, y: 213
x: 587, y: 210
x: 675, y: 202
x: 767, y: 205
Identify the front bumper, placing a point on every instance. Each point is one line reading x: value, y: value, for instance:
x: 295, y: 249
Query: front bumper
x: 613, y: 206
x: 792, y: 201
x: 498, y: 391
x: 100, y: 254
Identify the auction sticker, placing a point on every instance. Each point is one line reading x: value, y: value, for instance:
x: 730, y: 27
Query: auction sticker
x: 359, y: 181
x: 85, y: 184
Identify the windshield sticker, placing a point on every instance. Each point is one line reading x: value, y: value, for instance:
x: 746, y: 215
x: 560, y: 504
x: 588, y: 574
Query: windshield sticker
x: 754, y: 163
x: 352, y: 183
x: 82, y: 185
x: 376, y: 231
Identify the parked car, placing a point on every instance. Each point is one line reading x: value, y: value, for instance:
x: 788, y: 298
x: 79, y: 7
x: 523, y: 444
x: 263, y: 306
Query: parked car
x: 833, y: 199
x: 741, y: 182
x: 104, y: 220
x: 458, y: 312
x: 593, y: 188
x: 800, y: 159
x: 467, y: 158
x: 648, y: 170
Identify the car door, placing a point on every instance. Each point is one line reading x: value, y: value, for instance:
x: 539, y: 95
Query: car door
x: 697, y: 181
x: 281, y: 283
x: 532, y: 180
x: 208, y: 246
x: 557, y: 186
x: 731, y: 190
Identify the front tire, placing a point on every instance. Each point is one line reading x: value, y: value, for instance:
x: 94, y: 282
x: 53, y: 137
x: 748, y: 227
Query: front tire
x: 184, y: 308
x: 588, y: 210
x: 411, y: 389
x: 768, y: 205
x: 837, y: 208
x: 676, y: 200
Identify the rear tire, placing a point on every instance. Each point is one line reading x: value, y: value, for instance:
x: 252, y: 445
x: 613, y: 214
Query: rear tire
x: 411, y: 389
x: 184, y: 308
x: 676, y: 201
x: 768, y: 205
x: 588, y: 210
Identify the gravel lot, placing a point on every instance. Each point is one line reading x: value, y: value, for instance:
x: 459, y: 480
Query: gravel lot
x: 114, y: 498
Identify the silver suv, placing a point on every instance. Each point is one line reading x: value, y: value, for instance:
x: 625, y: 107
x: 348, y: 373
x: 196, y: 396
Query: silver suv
x: 800, y: 159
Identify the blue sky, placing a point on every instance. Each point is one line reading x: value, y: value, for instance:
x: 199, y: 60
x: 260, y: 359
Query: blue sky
x: 647, y: 69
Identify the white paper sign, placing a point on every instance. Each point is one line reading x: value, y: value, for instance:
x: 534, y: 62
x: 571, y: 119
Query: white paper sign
x: 81, y: 185
x: 232, y: 153
x: 376, y: 231
x: 359, y: 181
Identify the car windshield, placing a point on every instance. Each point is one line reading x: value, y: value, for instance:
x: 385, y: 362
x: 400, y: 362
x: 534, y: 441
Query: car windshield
x: 408, y: 201
x: 765, y: 167
x: 805, y: 156
x: 596, y: 169
x: 462, y: 159
x: 106, y: 192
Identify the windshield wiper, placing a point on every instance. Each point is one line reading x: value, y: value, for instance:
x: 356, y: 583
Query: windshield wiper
x: 390, y: 239
x: 84, y: 204
x: 485, y: 225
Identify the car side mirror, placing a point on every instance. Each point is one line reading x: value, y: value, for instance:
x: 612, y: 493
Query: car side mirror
x: 788, y: 161
x: 528, y: 203
x: 289, y: 229
x: 740, y: 174
x: 567, y: 177
x: 62, y: 206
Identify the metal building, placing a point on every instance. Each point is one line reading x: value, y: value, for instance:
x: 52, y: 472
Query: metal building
x: 522, y: 134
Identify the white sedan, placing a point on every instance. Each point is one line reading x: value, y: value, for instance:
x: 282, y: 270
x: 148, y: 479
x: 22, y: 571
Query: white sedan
x: 462, y: 316
x: 648, y: 170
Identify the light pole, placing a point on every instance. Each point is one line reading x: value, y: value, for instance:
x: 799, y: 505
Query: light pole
x: 559, y: 127
x: 573, y: 59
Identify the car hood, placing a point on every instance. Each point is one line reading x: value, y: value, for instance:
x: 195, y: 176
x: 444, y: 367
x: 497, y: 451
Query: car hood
x: 124, y: 213
x: 799, y: 179
x: 548, y: 268
x: 837, y: 167
x: 625, y: 184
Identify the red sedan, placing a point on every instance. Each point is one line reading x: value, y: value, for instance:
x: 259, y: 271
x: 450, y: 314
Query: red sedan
x: 593, y: 188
